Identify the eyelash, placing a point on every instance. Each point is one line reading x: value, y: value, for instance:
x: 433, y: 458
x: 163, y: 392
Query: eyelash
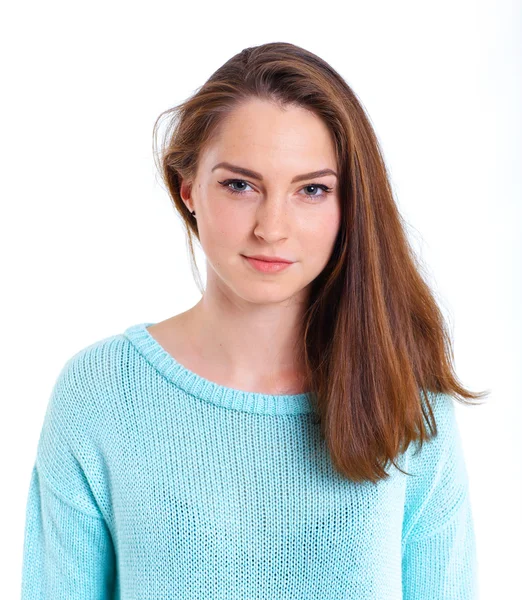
x: 227, y: 183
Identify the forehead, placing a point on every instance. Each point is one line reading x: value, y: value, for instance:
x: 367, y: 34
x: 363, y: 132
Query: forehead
x: 268, y: 136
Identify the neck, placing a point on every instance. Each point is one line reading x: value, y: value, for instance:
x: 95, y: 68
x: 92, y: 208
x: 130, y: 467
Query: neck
x: 254, y: 347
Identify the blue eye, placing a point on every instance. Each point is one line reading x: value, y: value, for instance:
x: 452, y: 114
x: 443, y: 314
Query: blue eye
x: 326, y: 190
x: 228, y: 182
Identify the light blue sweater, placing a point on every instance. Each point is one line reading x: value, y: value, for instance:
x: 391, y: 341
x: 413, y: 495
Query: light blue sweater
x: 153, y: 483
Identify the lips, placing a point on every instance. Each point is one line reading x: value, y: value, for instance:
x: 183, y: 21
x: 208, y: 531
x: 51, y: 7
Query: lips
x: 272, y: 259
x: 266, y: 266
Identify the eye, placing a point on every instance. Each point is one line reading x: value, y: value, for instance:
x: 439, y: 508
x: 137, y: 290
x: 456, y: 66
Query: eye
x: 229, y: 182
x: 317, y: 186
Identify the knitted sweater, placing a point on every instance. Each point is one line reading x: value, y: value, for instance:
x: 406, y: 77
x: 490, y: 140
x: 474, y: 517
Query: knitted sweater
x: 153, y: 483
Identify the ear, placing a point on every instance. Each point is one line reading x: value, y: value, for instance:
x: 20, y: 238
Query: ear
x: 185, y: 190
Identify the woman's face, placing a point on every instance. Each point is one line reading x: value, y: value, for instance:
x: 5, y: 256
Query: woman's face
x: 272, y: 212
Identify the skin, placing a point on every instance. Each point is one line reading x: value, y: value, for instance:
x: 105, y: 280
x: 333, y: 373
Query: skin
x: 242, y: 331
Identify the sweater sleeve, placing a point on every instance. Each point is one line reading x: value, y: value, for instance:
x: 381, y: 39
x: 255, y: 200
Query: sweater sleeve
x: 68, y: 551
x: 439, y: 560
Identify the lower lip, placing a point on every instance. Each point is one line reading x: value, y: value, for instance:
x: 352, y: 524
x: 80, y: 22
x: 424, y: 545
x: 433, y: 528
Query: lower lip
x: 267, y: 267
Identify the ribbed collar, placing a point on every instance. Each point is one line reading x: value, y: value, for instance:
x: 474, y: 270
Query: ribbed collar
x: 209, y: 391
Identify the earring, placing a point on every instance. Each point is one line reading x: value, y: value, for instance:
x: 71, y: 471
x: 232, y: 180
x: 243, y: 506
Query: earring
x: 194, y: 212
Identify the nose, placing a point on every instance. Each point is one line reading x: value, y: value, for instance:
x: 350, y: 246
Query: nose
x: 271, y: 220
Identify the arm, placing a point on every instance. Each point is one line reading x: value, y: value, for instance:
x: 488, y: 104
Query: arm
x: 68, y: 552
x: 439, y: 560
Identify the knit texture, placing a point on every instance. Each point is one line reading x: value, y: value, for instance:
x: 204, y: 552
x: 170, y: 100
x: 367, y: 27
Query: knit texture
x: 153, y: 483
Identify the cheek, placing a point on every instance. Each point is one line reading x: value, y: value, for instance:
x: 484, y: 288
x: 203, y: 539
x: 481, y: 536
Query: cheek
x: 319, y: 235
x: 223, y: 229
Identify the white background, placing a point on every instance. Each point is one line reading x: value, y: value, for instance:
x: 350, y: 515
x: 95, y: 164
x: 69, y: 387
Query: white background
x: 90, y: 243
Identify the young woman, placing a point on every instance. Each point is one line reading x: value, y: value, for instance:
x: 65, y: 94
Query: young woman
x: 293, y: 434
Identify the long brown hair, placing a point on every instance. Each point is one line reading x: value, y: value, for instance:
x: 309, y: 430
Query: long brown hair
x: 373, y: 339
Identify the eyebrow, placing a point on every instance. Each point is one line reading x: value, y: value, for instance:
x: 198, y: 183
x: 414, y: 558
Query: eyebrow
x: 255, y: 175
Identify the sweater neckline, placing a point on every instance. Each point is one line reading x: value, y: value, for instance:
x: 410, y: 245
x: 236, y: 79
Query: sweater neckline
x: 210, y: 391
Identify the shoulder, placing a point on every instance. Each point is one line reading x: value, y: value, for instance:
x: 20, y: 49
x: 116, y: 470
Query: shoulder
x: 444, y: 418
x: 443, y: 451
x: 97, y: 364
x: 88, y: 380
x: 80, y: 410
x: 438, y: 483
x: 83, y: 400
